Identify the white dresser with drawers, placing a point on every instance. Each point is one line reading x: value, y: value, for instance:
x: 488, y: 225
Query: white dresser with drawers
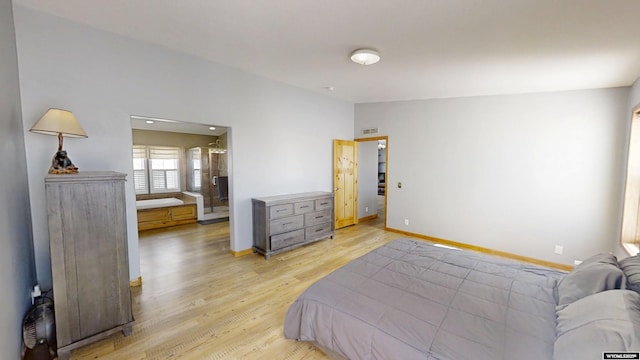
x: 285, y: 222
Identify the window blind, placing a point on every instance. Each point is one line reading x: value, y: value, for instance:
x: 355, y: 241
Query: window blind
x: 164, y: 168
x: 139, y: 169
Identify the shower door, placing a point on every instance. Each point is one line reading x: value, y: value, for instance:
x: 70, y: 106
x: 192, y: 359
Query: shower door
x: 219, y: 182
x: 207, y: 174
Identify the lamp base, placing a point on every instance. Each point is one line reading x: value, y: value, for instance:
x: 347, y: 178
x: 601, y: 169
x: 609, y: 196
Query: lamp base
x: 61, y: 164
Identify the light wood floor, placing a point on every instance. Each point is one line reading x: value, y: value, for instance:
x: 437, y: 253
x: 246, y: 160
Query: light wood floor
x: 199, y: 302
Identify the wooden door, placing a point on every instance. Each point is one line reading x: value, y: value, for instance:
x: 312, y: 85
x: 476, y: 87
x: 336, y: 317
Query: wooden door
x: 345, y: 182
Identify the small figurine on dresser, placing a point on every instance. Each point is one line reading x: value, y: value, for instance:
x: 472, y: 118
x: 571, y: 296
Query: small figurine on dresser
x: 61, y: 164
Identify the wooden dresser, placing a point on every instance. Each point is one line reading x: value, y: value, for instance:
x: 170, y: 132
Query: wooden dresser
x: 89, y: 259
x: 285, y: 222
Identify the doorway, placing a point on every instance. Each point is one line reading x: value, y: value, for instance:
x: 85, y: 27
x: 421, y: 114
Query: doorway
x: 372, y: 179
x: 199, y: 174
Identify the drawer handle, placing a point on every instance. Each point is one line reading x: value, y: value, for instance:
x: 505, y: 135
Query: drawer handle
x: 304, y: 207
x: 324, y: 203
x: 287, y: 224
x: 319, y: 217
x: 279, y: 210
x: 318, y: 230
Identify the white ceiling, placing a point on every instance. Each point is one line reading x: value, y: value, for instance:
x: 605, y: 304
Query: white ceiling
x: 429, y: 48
x: 166, y: 125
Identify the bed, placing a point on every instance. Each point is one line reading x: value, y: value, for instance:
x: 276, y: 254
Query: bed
x: 412, y: 300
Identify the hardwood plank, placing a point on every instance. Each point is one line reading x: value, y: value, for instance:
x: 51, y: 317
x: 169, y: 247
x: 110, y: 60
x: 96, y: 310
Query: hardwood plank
x: 197, y: 301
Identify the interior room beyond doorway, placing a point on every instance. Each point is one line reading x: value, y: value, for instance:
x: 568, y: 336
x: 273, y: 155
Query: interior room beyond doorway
x: 372, y: 178
x: 181, y: 172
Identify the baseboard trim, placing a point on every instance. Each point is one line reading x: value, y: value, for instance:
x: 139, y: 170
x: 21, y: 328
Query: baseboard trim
x: 367, y: 218
x: 241, y: 252
x: 136, y: 283
x: 483, y: 250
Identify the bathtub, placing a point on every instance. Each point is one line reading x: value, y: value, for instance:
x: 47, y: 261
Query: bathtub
x: 158, y: 203
x: 199, y: 203
x: 164, y: 212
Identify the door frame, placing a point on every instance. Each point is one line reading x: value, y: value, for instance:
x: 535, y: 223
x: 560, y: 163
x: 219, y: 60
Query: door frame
x: 386, y: 169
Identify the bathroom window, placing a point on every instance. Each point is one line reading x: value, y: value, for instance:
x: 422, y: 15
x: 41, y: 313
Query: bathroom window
x: 164, y: 172
x: 156, y: 169
x: 196, y: 168
x: 140, y: 169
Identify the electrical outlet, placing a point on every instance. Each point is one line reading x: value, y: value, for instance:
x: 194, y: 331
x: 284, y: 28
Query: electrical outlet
x: 577, y: 262
x: 559, y: 249
x: 366, y: 209
x: 35, y: 293
x: 406, y: 222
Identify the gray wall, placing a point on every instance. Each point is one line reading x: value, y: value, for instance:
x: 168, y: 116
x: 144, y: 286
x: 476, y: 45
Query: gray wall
x: 16, y: 253
x: 634, y: 95
x: 163, y: 138
x: 280, y: 137
x: 517, y: 173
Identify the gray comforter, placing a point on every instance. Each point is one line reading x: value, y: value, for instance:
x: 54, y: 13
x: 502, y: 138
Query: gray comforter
x: 412, y: 300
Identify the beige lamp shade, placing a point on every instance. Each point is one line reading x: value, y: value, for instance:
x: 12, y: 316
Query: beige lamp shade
x: 61, y: 123
x: 58, y: 121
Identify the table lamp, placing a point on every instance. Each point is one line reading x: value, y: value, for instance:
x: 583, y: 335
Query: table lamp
x: 61, y: 123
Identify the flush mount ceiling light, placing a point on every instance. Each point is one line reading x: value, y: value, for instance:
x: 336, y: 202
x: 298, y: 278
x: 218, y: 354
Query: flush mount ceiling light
x: 365, y: 56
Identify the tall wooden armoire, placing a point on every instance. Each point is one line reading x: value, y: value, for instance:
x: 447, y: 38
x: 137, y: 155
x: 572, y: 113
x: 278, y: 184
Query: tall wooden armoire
x: 89, y: 257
